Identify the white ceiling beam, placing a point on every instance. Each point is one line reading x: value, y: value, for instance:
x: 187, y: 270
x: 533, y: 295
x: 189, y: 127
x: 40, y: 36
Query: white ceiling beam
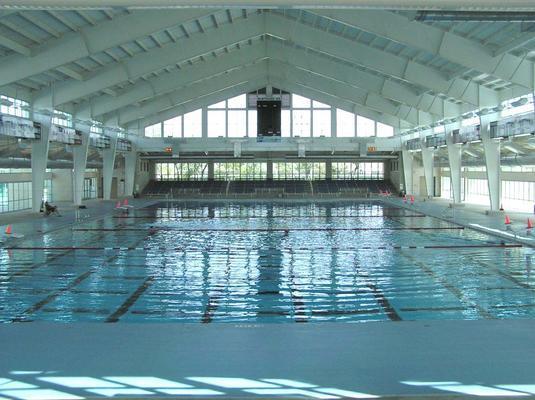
x: 156, y: 59
x: 474, y: 5
x: 169, y: 82
x: 378, y: 60
x: 188, y: 93
x: 376, y: 84
x: 337, y: 102
x: 515, y: 44
x: 200, y: 101
x: 437, y: 42
x: 70, y: 73
x: 341, y: 90
x: 17, y: 47
x: 91, y: 40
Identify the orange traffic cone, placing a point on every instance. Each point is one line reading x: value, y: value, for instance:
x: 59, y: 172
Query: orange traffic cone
x: 530, y: 224
x: 9, y: 230
x: 507, y: 220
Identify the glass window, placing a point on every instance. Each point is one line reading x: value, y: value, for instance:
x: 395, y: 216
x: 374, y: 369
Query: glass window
x: 286, y: 129
x: 384, y: 130
x: 252, y: 121
x: 520, y: 108
x: 217, y: 123
x: 298, y: 170
x: 518, y: 195
x: 237, y: 123
x: 301, y: 123
x: 16, y: 196
x: 90, y: 188
x: 16, y: 107
x: 181, y: 171
x: 317, y: 104
x: 173, y: 127
x: 154, y: 130
x: 62, y: 118
x: 365, y: 126
x: 470, y: 121
x: 221, y: 104
x: 345, y: 123
x: 322, y: 123
x: 233, y: 171
x: 446, y: 191
x: 300, y: 101
x: 237, y: 102
x: 358, y: 170
x: 193, y: 124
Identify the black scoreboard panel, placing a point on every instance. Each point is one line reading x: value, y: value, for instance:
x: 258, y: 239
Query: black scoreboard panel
x: 269, y: 118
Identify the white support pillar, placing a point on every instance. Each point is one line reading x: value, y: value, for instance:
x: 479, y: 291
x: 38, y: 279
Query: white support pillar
x: 108, y: 164
x: 427, y: 161
x: 39, y: 160
x: 492, y: 161
x: 334, y: 126
x: 204, y: 122
x: 328, y: 169
x: 79, y: 154
x: 130, y: 168
x: 407, y: 159
x: 454, y: 160
x: 269, y: 170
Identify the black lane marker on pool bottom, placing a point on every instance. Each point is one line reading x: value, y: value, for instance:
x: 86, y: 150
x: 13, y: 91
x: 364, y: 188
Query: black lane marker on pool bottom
x: 211, y: 307
x: 37, y: 306
x: 34, y: 266
x: 453, y: 289
x: 383, y: 302
x: 123, y: 309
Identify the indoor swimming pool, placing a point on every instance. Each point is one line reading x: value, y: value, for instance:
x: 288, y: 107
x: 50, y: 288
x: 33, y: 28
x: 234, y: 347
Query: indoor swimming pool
x: 264, y: 262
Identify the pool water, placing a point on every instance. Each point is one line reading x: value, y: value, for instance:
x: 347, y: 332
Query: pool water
x: 266, y: 262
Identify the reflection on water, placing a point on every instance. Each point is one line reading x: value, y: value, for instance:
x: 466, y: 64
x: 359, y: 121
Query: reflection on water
x: 265, y: 262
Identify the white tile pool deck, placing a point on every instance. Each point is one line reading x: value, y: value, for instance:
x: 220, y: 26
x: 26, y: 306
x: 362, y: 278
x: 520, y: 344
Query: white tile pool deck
x: 445, y: 358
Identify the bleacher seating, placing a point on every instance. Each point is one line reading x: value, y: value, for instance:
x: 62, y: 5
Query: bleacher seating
x: 268, y: 188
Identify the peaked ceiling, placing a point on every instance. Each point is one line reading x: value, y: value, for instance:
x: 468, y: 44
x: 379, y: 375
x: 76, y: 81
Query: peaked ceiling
x: 133, y: 67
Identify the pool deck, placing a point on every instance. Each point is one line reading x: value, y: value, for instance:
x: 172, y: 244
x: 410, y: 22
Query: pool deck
x: 475, y: 217
x: 421, y: 358
x: 380, y: 359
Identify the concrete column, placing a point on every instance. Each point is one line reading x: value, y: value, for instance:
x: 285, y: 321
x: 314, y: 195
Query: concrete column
x: 427, y: 160
x: 39, y: 160
x: 454, y: 160
x: 492, y: 161
x: 269, y: 170
x: 79, y: 154
x: 407, y: 160
x: 108, y: 165
x: 130, y: 168
x: 334, y: 126
x: 211, y: 172
x: 328, y: 169
x: 204, y: 122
